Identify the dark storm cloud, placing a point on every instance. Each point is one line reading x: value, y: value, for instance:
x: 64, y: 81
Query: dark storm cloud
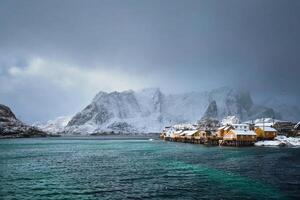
x: 197, y: 44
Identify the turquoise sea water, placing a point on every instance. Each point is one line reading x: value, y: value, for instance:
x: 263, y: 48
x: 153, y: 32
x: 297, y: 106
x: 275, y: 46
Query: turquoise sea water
x: 95, y: 168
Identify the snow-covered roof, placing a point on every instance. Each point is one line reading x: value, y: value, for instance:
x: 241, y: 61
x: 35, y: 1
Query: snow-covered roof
x: 190, y: 132
x: 222, y: 127
x: 297, y: 126
x: 244, y: 132
x: 178, y: 132
x: 184, y: 126
x: 264, y: 124
x: 240, y: 124
x: 268, y: 128
x: 182, y: 134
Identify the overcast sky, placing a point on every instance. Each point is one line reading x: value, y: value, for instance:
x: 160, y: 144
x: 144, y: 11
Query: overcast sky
x: 56, y: 55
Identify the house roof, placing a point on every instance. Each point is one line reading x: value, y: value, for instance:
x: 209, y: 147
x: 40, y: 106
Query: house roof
x: 268, y: 129
x: 244, y: 132
x: 189, y: 132
x: 264, y: 124
x: 222, y: 127
x: 297, y: 126
x: 208, y: 132
x: 240, y: 124
x: 184, y: 126
x: 178, y: 132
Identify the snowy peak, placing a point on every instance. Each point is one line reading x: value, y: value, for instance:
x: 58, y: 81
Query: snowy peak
x: 126, y: 111
x: 108, y: 105
x: 236, y: 102
x: 54, y: 126
x: 5, y: 112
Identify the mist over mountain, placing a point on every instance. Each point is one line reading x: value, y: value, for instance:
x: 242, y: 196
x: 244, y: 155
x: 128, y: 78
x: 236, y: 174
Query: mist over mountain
x: 283, y: 109
x: 56, y: 125
x: 149, y: 110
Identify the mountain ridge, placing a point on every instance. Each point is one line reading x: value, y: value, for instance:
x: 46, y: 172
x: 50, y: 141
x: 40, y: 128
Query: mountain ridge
x: 149, y: 110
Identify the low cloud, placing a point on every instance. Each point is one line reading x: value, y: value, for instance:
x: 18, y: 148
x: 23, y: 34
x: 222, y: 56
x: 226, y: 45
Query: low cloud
x: 67, y: 77
x: 45, y: 89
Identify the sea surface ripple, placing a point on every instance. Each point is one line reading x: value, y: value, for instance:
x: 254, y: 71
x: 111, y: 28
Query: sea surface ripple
x: 95, y: 168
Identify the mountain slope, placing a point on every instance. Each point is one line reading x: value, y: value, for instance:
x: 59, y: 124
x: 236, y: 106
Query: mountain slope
x: 54, y: 126
x: 126, y: 111
x: 283, y: 110
x: 149, y: 110
x: 10, y: 126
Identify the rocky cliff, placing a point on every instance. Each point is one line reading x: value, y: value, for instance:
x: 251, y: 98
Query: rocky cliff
x: 11, y: 127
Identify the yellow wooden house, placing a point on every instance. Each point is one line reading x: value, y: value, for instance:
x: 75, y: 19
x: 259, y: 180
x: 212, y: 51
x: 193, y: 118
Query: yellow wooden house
x: 162, y: 135
x: 191, y: 134
x: 240, y: 135
x: 176, y: 134
x: 265, y: 133
x: 223, y: 130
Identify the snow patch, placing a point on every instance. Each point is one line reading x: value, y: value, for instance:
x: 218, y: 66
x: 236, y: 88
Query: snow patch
x: 54, y: 126
x: 229, y: 120
x: 280, y: 141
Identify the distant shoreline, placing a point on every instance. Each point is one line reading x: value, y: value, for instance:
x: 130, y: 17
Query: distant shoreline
x: 106, y: 136
x: 28, y: 136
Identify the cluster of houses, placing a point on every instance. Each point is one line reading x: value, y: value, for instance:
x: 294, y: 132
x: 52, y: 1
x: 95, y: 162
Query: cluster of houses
x: 211, y: 131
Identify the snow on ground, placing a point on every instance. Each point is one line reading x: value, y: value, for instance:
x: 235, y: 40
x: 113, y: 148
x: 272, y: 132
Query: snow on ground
x: 280, y: 141
x: 292, y: 141
x: 229, y: 120
x: 186, y: 126
x: 269, y: 143
x: 265, y: 120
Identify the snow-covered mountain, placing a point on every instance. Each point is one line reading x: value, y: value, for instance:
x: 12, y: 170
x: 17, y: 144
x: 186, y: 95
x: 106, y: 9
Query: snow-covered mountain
x: 10, y: 126
x: 150, y: 110
x: 124, y: 112
x: 54, y: 126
